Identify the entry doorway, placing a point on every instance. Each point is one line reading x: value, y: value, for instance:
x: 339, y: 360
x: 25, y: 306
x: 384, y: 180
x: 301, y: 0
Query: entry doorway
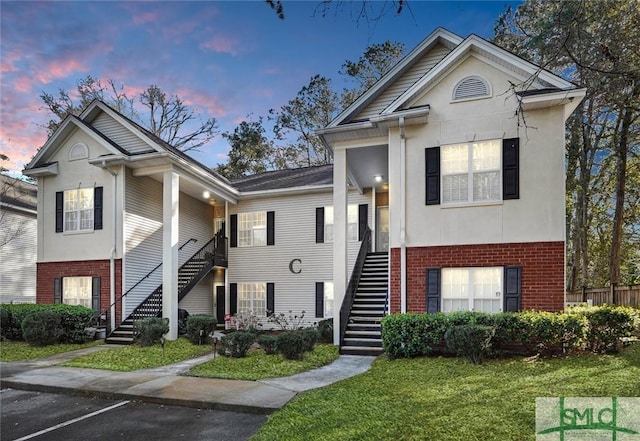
x: 382, y: 229
x: 220, y: 303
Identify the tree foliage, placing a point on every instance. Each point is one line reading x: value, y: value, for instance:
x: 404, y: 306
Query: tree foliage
x: 166, y: 116
x: 595, y: 44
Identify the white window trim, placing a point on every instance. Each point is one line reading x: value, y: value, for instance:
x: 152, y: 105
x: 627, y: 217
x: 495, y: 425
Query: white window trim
x: 77, y: 285
x: 470, y: 173
x: 489, y: 93
x: 253, y: 288
x: 77, y: 210
x: 252, y: 230
x: 328, y: 299
x: 355, y: 226
x: 78, y: 151
x: 470, y: 291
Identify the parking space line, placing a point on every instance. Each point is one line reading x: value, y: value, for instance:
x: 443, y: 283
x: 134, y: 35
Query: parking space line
x: 75, y: 420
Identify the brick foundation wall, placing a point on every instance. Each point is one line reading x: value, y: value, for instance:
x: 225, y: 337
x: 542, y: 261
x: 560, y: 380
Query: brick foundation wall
x: 542, y: 270
x: 47, y: 271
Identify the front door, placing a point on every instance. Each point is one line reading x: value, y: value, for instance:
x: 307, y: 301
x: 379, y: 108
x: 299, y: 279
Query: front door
x: 382, y: 229
x: 220, y: 304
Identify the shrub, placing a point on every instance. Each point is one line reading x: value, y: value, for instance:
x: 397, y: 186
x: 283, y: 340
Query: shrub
x: 311, y: 337
x: 607, y: 324
x: 411, y: 335
x: 290, y: 322
x: 546, y: 333
x: 470, y: 341
x: 268, y: 344
x: 291, y: 345
x: 236, y: 344
x: 199, y: 326
x: 74, y: 319
x: 42, y: 328
x: 150, y: 331
x: 325, y: 329
x: 246, y: 321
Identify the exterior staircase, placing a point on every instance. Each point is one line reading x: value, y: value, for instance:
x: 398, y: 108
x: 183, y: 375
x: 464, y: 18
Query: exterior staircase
x: 363, y: 334
x: 189, y: 275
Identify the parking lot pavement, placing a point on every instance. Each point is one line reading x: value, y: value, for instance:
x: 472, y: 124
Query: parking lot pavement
x: 55, y: 417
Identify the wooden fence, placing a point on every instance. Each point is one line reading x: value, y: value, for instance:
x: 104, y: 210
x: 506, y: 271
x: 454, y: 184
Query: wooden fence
x: 622, y: 295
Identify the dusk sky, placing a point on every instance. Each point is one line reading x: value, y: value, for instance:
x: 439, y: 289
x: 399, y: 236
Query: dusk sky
x: 224, y: 59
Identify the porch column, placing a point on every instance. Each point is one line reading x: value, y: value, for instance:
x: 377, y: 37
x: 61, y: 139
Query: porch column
x: 339, y: 237
x: 170, y: 231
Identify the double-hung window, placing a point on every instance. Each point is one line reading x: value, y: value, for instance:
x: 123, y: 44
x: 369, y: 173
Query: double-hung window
x: 78, y: 209
x: 352, y: 223
x: 472, y: 289
x: 471, y: 172
x: 252, y: 298
x: 77, y: 291
x: 252, y: 229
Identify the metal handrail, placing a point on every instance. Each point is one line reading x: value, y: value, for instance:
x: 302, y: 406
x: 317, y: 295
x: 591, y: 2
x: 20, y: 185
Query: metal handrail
x: 386, y: 303
x: 352, y: 287
x: 106, y: 311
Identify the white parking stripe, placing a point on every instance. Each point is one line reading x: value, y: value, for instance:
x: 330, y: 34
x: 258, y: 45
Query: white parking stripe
x: 75, y: 420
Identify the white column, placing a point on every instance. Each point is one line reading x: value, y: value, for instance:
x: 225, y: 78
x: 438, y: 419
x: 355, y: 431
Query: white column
x: 339, y: 237
x: 170, y: 232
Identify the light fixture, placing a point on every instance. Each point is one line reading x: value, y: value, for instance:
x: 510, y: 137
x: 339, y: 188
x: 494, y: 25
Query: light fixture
x: 385, y: 186
x: 206, y: 194
x: 378, y: 178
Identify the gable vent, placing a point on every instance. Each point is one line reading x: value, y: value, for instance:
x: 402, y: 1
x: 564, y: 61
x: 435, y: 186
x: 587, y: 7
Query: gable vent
x: 471, y: 87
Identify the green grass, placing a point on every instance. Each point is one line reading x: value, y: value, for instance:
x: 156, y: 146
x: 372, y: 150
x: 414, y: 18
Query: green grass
x: 448, y: 399
x: 257, y: 365
x: 19, y: 350
x: 135, y: 357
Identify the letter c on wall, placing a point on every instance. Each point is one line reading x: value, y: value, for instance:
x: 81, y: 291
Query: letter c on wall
x: 291, y: 266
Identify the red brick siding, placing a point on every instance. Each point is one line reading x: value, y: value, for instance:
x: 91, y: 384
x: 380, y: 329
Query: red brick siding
x: 542, y: 270
x: 48, y: 271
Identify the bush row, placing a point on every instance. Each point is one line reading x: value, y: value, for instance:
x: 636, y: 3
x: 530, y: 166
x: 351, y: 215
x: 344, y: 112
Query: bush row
x: 47, y: 324
x: 291, y: 344
x: 596, y: 329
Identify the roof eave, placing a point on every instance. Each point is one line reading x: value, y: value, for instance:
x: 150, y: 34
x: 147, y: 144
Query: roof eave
x: 47, y: 170
x: 570, y: 99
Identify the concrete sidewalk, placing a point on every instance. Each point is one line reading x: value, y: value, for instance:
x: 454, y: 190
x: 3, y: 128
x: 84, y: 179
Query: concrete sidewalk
x: 165, y: 385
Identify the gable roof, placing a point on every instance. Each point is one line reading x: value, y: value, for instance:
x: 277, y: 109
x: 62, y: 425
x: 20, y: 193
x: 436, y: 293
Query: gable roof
x: 17, y: 194
x: 315, y: 176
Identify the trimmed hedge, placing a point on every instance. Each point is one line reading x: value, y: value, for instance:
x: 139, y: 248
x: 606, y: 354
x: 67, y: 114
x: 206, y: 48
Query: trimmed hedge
x: 236, y: 344
x: 292, y: 345
x: 268, y: 344
x: 42, y: 328
x: 150, y: 331
x: 199, y: 326
x: 73, y: 319
x: 597, y: 329
x: 470, y: 341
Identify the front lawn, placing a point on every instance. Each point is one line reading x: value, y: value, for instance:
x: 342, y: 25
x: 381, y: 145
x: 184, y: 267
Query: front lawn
x: 19, y: 350
x: 135, y: 357
x: 449, y: 399
x: 257, y: 365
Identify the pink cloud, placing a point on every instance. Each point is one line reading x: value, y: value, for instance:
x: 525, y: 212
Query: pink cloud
x: 222, y: 45
x: 60, y: 68
x: 23, y: 83
x: 203, y: 100
x: 145, y: 17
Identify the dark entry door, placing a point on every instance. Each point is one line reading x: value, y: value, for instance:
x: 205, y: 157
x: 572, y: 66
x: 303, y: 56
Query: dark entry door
x: 220, y: 304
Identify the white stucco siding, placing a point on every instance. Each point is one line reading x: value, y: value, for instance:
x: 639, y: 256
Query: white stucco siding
x: 295, y: 220
x: 143, y: 237
x: 539, y: 212
x: 73, y: 174
x: 422, y: 66
x: 18, y: 253
x: 120, y: 134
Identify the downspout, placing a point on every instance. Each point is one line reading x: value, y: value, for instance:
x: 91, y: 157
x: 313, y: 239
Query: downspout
x: 403, y: 221
x: 112, y: 257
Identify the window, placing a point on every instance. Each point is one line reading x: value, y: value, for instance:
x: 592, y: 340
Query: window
x: 471, y: 172
x: 77, y: 291
x: 472, y: 289
x: 328, y: 299
x: 471, y: 87
x: 78, y: 209
x: 252, y: 229
x: 352, y: 223
x: 252, y: 297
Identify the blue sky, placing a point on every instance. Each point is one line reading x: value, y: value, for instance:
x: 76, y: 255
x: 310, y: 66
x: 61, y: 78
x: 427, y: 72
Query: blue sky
x: 225, y: 59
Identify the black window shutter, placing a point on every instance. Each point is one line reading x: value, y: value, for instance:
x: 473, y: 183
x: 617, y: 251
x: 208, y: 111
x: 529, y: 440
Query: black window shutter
x: 511, y: 168
x: 433, y: 290
x: 97, y: 208
x: 95, y: 294
x: 320, y: 225
x: 363, y: 219
x: 271, y: 299
x: 57, y: 290
x: 432, y: 175
x: 233, y: 233
x: 512, y: 288
x: 59, y: 211
x: 271, y: 230
x: 233, y: 298
x: 319, y: 299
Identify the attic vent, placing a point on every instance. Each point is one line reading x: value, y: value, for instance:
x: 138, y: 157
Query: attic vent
x: 471, y: 87
x: 78, y: 151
